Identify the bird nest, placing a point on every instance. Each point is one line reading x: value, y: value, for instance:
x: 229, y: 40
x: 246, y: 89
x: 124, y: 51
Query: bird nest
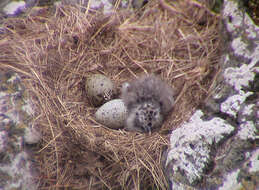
x: 177, y: 41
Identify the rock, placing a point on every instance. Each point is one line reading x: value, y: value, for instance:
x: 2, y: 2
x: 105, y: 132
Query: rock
x: 31, y: 135
x: 3, y: 140
x: 192, y: 146
x: 112, y: 114
x: 15, y: 164
x: 222, y: 152
x: 18, y: 173
x: 14, y: 8
x: 232, y: 104
x: 99, y: 89
x: 104, y: 5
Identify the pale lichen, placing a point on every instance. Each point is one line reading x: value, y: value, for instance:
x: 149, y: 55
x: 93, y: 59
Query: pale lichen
x: 191, y: 145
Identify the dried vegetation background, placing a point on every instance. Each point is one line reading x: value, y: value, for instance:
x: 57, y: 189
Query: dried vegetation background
x: 177, y: 41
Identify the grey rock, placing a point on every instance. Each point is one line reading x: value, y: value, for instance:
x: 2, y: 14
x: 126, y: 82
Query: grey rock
x: 248, y: 112
x: 15, y: 111
x: 239, y: 77
x: 104, y: 5
x: 18, y: 173
x: 232, y: 104
x: 234, y: 158
x: 32, y: 135
x: 191, y: 147
x: 253, y: 162
x: 247, y: 131
x: 13, y: 8
x: 3, y: 140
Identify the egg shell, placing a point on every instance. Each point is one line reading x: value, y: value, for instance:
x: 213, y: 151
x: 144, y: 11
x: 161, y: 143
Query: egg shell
x: 99, y: 89
x: 112, y: 114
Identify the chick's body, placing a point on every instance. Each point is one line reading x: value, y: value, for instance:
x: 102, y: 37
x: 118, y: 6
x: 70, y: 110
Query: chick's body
x: 148, y: 101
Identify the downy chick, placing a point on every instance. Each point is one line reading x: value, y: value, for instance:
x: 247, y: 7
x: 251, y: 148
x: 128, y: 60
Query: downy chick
x: 148, y: 101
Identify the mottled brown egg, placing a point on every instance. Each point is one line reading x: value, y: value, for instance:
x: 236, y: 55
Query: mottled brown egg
x: 99, y: 89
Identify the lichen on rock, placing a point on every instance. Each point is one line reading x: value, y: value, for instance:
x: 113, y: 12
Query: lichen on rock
x: 234, y: 101
x: 192, y: 146
x: 15, y: 163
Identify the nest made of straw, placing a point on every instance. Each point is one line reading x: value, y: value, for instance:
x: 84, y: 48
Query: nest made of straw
x: 54, y: 54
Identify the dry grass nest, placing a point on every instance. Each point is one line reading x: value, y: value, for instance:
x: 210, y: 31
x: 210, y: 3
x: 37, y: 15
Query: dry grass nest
x: 177, y: 41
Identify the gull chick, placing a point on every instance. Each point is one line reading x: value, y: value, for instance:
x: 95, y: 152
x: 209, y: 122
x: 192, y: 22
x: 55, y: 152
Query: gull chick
x: 148, y: 101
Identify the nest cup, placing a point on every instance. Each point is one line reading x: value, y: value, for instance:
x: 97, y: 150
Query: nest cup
x: 55, y: 54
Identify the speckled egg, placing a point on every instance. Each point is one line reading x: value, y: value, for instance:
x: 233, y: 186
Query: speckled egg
x: 99, y: 89
x: 112, y: 114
